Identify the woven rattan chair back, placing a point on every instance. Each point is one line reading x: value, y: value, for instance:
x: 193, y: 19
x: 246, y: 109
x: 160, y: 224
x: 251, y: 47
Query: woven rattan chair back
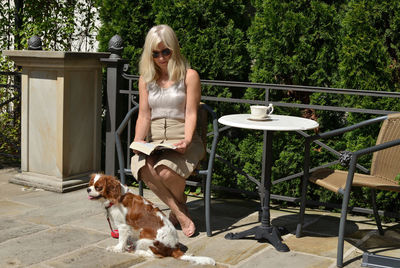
x: 386, y: 163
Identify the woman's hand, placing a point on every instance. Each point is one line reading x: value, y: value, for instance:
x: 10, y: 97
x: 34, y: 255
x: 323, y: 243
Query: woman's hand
x: 181, y: 146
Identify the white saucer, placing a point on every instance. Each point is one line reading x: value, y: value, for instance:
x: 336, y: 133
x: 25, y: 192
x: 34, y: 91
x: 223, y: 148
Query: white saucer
x: 259, y: 118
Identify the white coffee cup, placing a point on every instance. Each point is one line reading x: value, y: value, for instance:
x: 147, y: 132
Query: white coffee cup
x: 260, y: 111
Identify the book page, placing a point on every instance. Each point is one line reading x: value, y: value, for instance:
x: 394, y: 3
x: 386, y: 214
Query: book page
x: 148, y: 148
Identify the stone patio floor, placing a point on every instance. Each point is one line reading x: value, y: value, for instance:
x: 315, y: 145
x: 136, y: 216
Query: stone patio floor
x: 44, y: 229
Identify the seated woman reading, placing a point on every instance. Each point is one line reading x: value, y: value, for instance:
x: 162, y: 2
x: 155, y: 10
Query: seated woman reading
x: 169, y: 95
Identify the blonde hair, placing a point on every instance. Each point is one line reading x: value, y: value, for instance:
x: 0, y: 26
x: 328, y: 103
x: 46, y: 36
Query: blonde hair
x: 177, y: 64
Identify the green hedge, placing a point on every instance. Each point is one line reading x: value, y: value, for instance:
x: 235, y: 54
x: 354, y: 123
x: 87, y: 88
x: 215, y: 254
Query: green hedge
x: 347, y: 44
x: 129, y: 19
x: 344, y: 43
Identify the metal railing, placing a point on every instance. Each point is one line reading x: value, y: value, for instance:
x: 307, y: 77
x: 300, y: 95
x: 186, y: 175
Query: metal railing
x: 10, y: 115
x: 127, y: 91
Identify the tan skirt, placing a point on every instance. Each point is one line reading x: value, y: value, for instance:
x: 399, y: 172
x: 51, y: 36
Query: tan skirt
x: 171, y: 131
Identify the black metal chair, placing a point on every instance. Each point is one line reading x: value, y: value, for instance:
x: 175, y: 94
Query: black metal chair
x: 205, y: 168
x: 384, y: 168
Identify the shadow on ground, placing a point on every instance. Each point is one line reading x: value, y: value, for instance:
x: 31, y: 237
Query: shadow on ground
x: 225, y: 214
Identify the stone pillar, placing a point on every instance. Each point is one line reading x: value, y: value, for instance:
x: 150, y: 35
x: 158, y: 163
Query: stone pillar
x: 60, y: 118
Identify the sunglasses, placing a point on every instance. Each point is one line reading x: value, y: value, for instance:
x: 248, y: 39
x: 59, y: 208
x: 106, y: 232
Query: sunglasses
x: 165, y: 52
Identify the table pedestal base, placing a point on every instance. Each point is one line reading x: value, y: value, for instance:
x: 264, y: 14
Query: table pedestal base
x: 277, y: 123
x: 270, y: 233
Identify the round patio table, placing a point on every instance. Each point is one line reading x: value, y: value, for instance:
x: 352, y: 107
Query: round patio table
x: 270, y: 125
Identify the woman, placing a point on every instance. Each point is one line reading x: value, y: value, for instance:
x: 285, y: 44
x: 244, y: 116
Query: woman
x: 169, y: 95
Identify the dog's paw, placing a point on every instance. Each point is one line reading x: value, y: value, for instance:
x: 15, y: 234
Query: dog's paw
x: 116, y: 249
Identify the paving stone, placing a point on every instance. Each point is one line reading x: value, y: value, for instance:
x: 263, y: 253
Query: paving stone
x: 289, y: 218
x: 389, y: 252
x: 352, y: 259
x: 321, y: 246
x: 225, y: 251
x: 272, y: 258
x: 46, y: 230
x: 288, y: 221
x: 278, y: 211
x: 95, y: 257
x: 11, y: 262
x: 39, y: 199
x: 10, y: 208
x: 109, y: 241
x: 96, y: 222
x: 245, y: 224
x: 390, y: 239
x: 10, y: 228
x: 12, y: 190
x: 45, y: 245
x: 183, y: 239
x: 57, y: 215
x: 219, y: 223
x: 171, y: 262
x: 150, y: 196
x: 234, y: 208
x: 39, y: 265
x: 329, y: 226
x: 49, y: 199
x: 156, y: 262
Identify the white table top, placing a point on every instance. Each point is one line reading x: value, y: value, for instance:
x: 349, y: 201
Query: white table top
x: 274, y: 122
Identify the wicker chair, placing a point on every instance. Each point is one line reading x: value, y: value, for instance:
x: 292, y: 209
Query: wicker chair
x: 385, y: 167
x: 205, y: 168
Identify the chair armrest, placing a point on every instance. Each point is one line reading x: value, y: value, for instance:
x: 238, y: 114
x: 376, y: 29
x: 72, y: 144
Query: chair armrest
x: 357, y: 154
x: 376, y: 148
x: 215, y: 134
x: 118, y: 144
x: 214, y: 120
x: 315, y: 138
x: 215, y: 139
x: 124, y: 122
x: 346, y: 129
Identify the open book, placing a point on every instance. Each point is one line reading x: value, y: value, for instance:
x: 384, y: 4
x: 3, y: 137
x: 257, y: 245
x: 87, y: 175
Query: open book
x: 148, y: 148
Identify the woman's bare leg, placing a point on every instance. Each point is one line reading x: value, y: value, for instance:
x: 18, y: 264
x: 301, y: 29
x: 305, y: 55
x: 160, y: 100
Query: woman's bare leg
x: 169, y: 187
x: 176, y: 184
x: 172, y: 216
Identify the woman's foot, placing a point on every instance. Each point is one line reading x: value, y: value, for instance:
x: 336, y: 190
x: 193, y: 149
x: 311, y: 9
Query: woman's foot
x: 172, y: 218
x: 187, y: 225
x: 183, y: 219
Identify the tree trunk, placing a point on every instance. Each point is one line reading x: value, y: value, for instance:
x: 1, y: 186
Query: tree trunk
x: 19, y: 7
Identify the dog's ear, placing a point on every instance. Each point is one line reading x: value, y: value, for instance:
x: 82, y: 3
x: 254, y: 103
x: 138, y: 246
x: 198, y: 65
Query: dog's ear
x: 92, y: 179
x: 113, y: 189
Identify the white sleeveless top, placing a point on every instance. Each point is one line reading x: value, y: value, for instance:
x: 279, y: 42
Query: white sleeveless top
x: 167, y: 102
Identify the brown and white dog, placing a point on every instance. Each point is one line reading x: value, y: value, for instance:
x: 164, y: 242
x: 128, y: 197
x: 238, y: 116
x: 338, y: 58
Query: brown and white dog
x: 157, y: 236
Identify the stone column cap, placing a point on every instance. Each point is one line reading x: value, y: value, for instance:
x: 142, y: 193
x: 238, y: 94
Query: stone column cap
x: 54, y: 54
x: 55, y: 59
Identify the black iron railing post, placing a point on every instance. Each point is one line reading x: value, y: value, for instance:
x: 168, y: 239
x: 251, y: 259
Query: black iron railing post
x: 115, y: 104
